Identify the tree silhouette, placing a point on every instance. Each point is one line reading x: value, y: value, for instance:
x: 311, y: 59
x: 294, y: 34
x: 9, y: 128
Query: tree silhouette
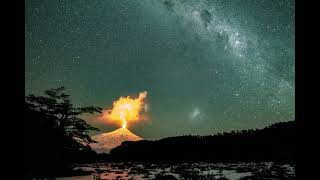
x: 55, y: 134
x: 56, y: 106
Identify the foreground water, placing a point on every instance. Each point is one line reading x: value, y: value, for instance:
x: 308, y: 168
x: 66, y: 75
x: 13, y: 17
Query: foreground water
x: 231, y: 171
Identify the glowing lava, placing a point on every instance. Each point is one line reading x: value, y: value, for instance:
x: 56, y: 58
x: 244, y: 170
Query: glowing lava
x: 126, y: 109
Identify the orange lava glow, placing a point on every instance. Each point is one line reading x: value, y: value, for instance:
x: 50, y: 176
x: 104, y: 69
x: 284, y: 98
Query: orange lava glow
x: 126, y: 109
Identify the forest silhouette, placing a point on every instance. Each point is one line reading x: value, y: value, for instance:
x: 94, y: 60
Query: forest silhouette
x: 273, y: 143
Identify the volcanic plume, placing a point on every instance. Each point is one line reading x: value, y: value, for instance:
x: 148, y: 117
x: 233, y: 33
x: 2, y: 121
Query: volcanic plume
x: 124, y: 111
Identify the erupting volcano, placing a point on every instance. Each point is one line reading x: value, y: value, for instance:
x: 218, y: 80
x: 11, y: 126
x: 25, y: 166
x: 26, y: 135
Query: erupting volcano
x: 124, y: 111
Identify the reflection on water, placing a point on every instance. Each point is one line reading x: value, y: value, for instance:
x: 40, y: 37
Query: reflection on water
x: 201, y: 170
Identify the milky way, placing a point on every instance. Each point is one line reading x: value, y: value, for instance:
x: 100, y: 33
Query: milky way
x: 208, y: 66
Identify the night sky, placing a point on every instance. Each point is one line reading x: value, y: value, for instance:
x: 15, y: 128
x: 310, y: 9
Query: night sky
x: 208, y: 66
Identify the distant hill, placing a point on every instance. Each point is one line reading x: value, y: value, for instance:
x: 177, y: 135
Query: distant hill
x: 273, y: 143
x: 107, y: 141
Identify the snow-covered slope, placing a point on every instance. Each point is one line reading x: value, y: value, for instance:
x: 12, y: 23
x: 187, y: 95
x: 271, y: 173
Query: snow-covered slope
x: 107, y: 141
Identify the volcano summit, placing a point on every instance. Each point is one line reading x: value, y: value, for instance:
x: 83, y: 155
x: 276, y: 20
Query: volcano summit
x: 108, y: 141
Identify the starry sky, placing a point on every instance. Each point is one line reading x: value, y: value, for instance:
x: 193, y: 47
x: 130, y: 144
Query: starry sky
x: 208, y: 66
